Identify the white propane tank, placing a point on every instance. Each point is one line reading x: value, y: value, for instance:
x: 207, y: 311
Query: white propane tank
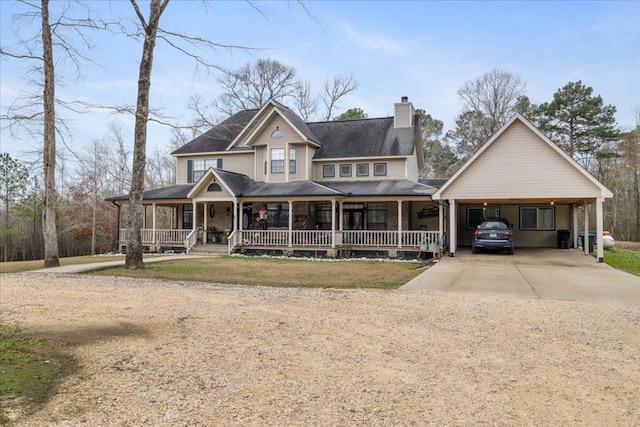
x: 608, y: 242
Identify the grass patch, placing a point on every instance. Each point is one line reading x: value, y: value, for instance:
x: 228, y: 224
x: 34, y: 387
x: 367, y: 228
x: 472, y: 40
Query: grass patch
x: 20, y: 266
x: 30, y: 368
x: 278, y: 272
x: 624, y: 259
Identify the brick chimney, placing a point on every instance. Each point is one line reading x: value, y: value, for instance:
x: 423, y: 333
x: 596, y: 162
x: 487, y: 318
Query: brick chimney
x: 403, y: 113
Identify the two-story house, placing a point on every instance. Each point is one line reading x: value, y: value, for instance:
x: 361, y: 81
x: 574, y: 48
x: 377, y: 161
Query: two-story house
x: 265, y: 181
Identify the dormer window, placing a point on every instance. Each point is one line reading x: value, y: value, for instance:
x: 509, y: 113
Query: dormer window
x: 277, y: 133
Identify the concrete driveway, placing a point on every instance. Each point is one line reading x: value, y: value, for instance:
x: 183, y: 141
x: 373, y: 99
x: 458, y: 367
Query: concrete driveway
x: 535, y: 273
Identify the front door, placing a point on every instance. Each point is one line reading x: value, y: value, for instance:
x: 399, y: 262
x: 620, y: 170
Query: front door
x: 353, y: 217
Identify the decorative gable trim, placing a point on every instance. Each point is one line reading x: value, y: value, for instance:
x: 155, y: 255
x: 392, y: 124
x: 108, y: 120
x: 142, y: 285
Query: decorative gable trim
x: 203, y: 182
x: 257, y: 124
x: 605, y: 192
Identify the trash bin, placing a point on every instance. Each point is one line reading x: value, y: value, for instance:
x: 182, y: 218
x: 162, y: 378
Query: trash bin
x: 564, y: 239
x: 592, y: 240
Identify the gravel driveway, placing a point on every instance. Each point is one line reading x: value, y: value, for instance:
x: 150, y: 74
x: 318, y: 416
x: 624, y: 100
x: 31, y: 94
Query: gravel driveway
x: 174, y: 354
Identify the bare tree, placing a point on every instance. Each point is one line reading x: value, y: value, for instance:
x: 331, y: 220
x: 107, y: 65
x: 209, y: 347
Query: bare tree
x: 495, y: 94
x: 36, y: 112
x: 187, y: 45
x: 304, y: 102
x: 150, y: 29
x: 50, y: 231
x: 335, y: 89
x: 251, y: 86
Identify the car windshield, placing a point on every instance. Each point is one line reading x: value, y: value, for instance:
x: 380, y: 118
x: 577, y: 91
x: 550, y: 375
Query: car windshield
x: 493, y: 225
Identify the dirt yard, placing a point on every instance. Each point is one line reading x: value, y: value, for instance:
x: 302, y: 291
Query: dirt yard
x: 176, y: 354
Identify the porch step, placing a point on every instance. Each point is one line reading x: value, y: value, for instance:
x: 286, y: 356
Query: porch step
x: 208, y: 249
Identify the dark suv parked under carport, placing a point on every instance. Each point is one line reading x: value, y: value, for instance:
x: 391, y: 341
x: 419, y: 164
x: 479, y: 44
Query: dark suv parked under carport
x: 493, y: 233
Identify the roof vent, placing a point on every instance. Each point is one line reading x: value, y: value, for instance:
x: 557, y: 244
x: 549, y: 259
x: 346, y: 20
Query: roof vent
x: 404, y: 99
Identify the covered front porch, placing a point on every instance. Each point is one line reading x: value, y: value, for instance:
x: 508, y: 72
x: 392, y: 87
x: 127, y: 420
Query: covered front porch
x: 326, y: 227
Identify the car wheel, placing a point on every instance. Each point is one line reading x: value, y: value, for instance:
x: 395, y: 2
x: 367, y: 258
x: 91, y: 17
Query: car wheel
x: 510, y: 251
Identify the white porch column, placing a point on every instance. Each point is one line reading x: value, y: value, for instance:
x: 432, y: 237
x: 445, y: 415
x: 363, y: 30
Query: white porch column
x: 453, y: 216
x: 195, y: 215
x: 585, y: 239
x: 341, y: 215
x: 290, y: 222
x: 205, y: 229
x: 574, y: 208
x: 399, y: 223
x: 333, y: 223
x: 240, y: 216
x: 144, y: 216
x: 440, y: 222
x: 599, y: 229
x: 153, y: 224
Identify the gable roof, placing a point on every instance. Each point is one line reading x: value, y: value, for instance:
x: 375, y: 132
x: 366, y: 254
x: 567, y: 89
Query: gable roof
x: 605, y: 192
x: 266, y: 112
x: 218, y: 137
x: 359, y: 138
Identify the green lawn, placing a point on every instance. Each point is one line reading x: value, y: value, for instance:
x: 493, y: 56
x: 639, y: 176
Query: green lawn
x: 278, y: 272
x: 624, y: 259
x: 29, y: 368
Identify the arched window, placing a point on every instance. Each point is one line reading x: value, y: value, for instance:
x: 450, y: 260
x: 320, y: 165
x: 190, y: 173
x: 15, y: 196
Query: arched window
x: 214, y: 187
x: 277, y: 133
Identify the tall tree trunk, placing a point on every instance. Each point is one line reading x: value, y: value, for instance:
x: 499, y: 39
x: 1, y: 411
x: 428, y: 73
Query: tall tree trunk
x: 49, y: 228
x: 134, y: 229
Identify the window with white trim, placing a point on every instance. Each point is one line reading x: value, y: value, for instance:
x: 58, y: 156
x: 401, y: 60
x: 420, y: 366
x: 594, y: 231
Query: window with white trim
x: 362, y: 169
x: 197, y: 168
x: 380, y: 169
x: 328, y: 171
x: 537, y: 218
x: 277, y: 160
x: 292, y: 160
x: 345, y: 170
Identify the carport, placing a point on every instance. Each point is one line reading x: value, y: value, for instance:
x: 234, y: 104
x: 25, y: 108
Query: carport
x: 523, y: 176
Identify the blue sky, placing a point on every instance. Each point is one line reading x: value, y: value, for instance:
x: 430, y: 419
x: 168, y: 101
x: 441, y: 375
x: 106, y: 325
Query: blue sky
x: 421, y: 49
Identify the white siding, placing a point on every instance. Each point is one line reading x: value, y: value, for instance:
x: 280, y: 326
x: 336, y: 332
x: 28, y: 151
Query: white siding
x: 519, y: 165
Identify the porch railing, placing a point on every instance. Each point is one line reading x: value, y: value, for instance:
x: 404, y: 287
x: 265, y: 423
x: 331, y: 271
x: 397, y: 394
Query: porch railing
x: 297, y: 238
x: 322, y: 238
x: 160, y: 236
x: 191, y: 240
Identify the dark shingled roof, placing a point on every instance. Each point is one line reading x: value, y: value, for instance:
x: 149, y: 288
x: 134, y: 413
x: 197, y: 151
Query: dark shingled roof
x: 433, y: 182
x: 243, y: 186
x: 220, y: 136
x: 362, y: 138
x: 384, y: 187
x: 338, y: 139
x: 173, y: 192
